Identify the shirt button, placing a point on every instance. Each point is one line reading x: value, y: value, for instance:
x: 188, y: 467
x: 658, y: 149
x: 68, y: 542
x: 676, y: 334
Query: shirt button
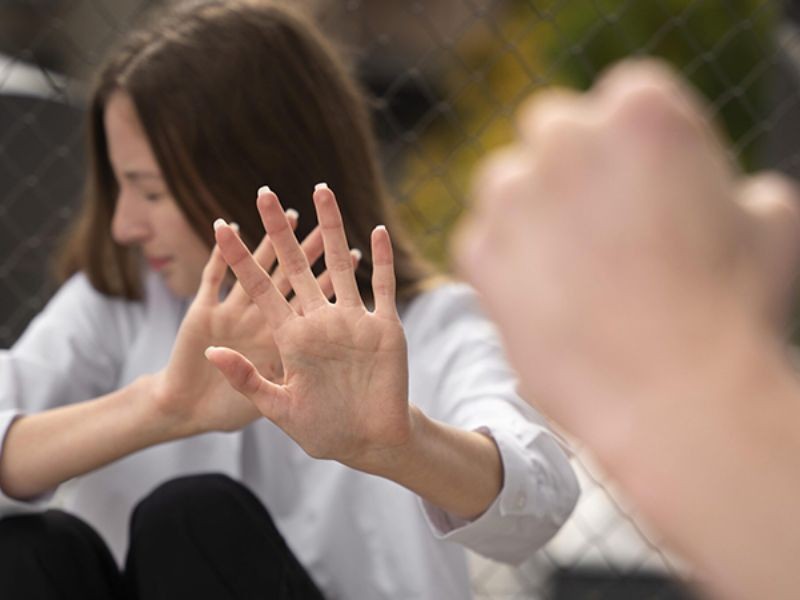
x: 522, y: 500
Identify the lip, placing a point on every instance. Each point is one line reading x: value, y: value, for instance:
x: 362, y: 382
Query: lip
x: 157, y: 263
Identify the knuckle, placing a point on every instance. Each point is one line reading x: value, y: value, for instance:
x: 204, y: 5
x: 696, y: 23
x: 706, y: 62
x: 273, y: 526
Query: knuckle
x: 279, y: 278
x: 257, y: 287
x: 498, y: 173
x: 635, y: 72
x: 645, y: 102
x: 383, y: 288
x: 546, y: 107
x: 294, y: 264
x: 251, y: 380
x: 339, y: 263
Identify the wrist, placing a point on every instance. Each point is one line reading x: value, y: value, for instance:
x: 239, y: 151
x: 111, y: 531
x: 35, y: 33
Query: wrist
x: 700, y: 476
x: 391, y: 462
x: 160, y: 408
x: 701, y: 422
x: 456, y: 470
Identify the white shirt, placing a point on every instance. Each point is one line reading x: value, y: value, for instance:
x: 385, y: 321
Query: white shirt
x: 360, y: 536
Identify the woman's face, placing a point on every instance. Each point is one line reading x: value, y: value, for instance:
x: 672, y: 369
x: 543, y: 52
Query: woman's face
x: 146, y: 215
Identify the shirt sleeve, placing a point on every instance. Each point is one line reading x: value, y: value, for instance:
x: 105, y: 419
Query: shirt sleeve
x: 71, y: 352
x: 462, y: 378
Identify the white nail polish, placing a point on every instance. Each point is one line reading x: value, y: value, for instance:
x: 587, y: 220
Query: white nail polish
x: 219, y: 223
x: 292, y: 213
x: 321, y: 186
x: 264, y: 189
x: 357, y: 253
x: 209, y: 349
x: 234, y: 225
x: 380, y: 228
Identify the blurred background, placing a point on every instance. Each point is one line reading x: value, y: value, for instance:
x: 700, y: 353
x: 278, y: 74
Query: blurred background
x: 445, y: 78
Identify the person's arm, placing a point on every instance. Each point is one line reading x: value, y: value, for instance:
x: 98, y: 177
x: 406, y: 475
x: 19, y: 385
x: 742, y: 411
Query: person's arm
x: 188, y: 397
x: 70, y: 352
x: 345, y: 395
x: 42, y: 450
x: 459, y: 375
x: 717, y: 472
x: 638, y: 281
x: 459, y: 471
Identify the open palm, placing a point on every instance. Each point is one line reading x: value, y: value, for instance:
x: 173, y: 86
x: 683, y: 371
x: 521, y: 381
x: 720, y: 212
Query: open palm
x: 345, y: 389
x: 189, y: 390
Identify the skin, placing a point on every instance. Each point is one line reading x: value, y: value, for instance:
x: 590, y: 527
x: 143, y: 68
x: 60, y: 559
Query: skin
x: 188, y: 396
x: 642, y: 284
x: 342, y: 370
x: 146, y: 216
x: 345, y: 392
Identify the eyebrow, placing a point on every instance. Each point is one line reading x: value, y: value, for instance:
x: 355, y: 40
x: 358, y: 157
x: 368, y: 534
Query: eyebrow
x: 135, y: 176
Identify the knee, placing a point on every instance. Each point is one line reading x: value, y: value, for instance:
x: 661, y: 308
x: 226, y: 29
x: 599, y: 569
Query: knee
x: 53, y: 533
x: 186, y: 499
x: 73, y: 554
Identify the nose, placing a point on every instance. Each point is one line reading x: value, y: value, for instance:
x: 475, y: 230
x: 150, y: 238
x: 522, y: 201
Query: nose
x: 130, y: 224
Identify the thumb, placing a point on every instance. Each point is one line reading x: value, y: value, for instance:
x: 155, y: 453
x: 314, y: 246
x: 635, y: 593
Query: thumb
x: 772, y: 204
x: 244, y: 377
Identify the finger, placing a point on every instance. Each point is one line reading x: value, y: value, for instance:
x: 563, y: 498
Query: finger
x: 647, y: 94
x: 559, y: 128
x: 553, y: 109
x: 325, y: 283
x: 265, y: 253
x: 312, y: 247
x: 290, y: 256
x: 770, y: 204
x: 629, y: 77
x: 212, y: 277
x: 383, y: 281
x: 338, y: 261
x: 243, y: 376
x: 495, y: 197
x: 467, y: 242
x: 501, y: 166
x: 252, y: 277
x: 265, y: 256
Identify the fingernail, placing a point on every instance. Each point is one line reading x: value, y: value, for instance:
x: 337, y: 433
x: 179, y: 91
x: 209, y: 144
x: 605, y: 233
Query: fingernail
x: 380, y: 228
x: 292, y: 214
x: 321, y: 186
x: 264, y: 189
x: 357, y: 253
x: 209, y: 349
x: 219, y: 223
x: 235, y: 226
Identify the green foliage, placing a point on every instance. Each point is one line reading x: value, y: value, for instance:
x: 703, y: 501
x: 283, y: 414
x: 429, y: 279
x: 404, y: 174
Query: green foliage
x: 724, y: 46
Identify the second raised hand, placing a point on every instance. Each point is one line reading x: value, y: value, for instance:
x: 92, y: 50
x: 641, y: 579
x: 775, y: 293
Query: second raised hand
x: 345, y: 392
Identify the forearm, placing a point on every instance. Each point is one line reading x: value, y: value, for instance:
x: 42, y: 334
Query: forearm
x: 42, y: 450
x: 459, y: 471
x: 720, y: 479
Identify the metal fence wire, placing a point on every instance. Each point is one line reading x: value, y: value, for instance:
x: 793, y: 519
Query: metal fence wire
x: 446, y: 77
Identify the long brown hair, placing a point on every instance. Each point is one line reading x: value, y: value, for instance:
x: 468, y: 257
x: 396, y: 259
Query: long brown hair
x: 233, y: 95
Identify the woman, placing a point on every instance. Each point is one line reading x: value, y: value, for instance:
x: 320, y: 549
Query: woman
x: 188, y: 118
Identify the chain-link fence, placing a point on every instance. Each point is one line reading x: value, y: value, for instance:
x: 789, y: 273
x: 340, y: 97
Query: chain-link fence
x: 446, y: 77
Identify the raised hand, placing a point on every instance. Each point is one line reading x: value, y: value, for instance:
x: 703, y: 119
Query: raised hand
x: 190, y: 394
x: 638, y: 278
x: 345, y: 390
x: 619, y: 250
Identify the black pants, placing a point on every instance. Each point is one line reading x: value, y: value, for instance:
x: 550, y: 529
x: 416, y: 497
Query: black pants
x: 197, y: 537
